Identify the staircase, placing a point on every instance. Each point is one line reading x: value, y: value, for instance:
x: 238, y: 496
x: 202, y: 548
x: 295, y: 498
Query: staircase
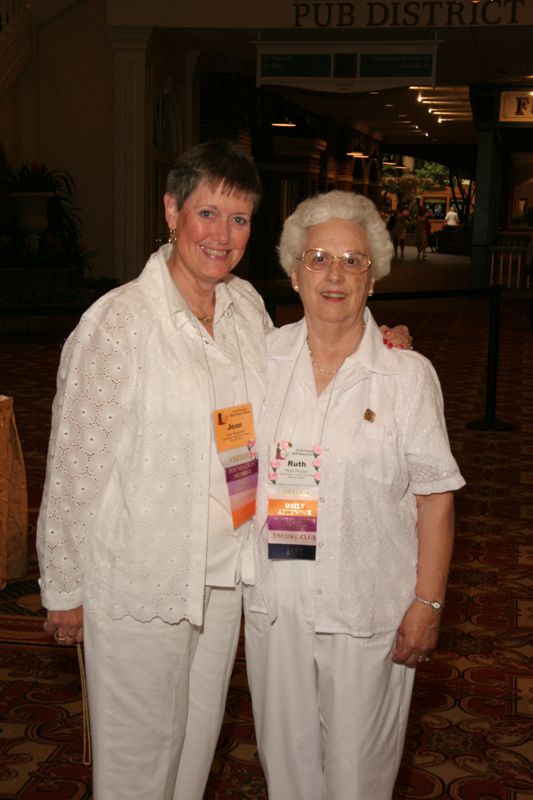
x: 16, y: 35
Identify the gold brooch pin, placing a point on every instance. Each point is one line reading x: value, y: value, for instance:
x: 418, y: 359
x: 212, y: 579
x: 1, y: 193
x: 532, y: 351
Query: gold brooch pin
x: 369, y: 415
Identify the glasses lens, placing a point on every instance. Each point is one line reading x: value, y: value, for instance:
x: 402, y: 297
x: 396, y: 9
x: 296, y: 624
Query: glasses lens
x: 355, y: 262
x: 316, y: 259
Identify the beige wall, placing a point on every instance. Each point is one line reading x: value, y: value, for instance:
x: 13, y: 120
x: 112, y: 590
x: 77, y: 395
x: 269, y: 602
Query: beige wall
x: 59, y: 111
x: 75, y: 109
x: 18, y: 116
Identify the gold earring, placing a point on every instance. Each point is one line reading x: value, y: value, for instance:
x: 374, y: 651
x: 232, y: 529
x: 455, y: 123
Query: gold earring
x: 371, y: 292
x: 172, y: 235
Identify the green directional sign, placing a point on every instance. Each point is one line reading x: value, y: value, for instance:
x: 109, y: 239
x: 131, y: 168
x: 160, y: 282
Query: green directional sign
x: 396, y: 65
x: 295, y: 65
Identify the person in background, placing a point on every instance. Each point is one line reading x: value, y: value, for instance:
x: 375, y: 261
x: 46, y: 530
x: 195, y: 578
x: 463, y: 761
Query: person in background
x: 143, y: 534
x: 354, y: 526
x: 421, y: 231
x: 399, y: 231
x: 452, y: 217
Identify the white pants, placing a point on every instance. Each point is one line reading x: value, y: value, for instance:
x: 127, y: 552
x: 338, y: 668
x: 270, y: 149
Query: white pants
x: 157, y: 695
x: 330, y: 710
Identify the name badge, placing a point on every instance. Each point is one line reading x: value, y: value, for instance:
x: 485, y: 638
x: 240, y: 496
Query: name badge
x: 235, y: 442
x: 294, y: 477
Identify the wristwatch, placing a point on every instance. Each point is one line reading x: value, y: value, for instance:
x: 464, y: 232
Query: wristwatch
x: 436, y: 604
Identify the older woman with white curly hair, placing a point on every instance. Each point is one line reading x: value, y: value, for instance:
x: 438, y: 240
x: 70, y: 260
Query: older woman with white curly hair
x: 354, y: 525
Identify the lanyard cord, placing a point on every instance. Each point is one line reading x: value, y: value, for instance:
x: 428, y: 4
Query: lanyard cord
x: 87, y: 744
x: 241, y: 361
x: 287, y: 393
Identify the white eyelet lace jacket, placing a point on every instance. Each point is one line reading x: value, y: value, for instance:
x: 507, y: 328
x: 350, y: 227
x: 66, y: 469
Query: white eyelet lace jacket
x: 125, y: 504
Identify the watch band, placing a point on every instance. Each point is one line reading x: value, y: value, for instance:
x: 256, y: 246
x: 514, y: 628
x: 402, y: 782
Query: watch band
x: 436, y: 604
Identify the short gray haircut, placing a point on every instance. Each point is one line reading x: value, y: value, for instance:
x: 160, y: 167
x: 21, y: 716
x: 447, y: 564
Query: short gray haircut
x: 217, y: 162
x: 336, y: 205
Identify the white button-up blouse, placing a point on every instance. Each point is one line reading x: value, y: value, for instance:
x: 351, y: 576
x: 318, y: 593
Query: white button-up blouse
x: 372, y: 467
x: 124, y: 517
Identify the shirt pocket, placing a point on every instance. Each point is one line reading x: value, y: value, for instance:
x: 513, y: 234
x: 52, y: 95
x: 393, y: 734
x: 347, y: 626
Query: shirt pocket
x: 375, y: 454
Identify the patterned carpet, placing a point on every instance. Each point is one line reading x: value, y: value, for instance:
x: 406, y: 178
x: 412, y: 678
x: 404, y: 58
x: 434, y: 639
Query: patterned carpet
x: 470, y: 734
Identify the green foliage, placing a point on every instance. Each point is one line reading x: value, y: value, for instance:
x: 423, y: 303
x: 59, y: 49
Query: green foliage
x: 36, y: 177
x: 63, y: 217
x: 431, y: 176
x: 428, y: 177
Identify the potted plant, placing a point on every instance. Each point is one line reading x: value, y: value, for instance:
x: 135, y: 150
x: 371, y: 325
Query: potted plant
x: 43, y: 199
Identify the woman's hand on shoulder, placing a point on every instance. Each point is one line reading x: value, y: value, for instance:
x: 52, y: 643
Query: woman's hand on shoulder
x: 65, y: 626
x: 398, y: 337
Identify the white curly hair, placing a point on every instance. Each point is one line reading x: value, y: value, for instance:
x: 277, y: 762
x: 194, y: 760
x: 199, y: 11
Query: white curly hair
x: 336, y: 205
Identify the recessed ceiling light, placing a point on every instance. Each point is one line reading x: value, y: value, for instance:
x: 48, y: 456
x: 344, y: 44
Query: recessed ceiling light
x: 373, y: 92
x: 389, y: 105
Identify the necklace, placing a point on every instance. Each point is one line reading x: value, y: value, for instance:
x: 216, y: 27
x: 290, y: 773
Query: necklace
x: 323, y: 370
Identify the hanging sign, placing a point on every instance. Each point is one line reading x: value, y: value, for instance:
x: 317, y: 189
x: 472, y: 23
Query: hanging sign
x: 517, y: 107
x: 346, y: 67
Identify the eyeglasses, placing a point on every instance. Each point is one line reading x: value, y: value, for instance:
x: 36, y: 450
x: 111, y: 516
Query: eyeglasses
x: 352, y: 262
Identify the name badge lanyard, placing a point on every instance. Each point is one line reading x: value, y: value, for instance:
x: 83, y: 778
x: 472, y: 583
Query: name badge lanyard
x: 293, y: 481
x: 234, y: 433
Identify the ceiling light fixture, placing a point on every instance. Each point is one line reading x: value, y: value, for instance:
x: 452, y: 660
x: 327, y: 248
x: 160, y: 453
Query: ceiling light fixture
x: 285, y: 122
x: 356, y: 154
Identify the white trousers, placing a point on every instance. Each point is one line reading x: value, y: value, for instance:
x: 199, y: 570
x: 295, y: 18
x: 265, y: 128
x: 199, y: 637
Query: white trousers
x: 330, y: 710
x: 157, y: 694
